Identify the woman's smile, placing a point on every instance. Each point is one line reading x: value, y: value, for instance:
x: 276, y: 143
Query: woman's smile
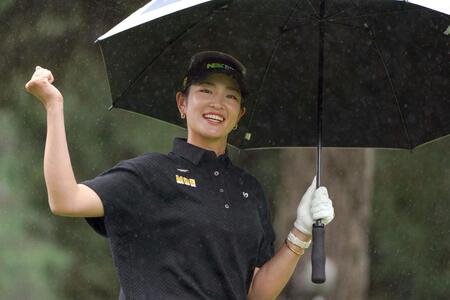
x: 214, y: 118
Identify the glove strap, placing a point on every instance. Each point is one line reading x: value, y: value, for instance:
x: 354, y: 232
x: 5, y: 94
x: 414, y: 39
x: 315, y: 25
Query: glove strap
x: 298, y: 242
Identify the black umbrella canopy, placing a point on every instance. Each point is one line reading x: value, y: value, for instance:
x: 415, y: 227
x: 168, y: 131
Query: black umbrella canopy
x: 342, y: 73
x: 385, y: 69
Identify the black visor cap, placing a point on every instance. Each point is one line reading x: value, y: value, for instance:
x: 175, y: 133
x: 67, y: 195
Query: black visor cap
x: 208, y: 62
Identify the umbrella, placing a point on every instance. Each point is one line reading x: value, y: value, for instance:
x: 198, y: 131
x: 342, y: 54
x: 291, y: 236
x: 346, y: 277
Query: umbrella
x: 342, y: 73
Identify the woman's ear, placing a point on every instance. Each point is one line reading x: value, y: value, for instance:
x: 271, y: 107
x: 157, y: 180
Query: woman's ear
x: 241, y: 113
x: 181, y: 102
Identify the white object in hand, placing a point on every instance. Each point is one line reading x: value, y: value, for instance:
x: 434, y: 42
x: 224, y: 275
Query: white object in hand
x: 315, y: 204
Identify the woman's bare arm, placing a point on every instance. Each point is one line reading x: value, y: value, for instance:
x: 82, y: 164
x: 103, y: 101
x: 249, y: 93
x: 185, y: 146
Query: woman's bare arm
x: 65, y: 196
x: 269, y: 280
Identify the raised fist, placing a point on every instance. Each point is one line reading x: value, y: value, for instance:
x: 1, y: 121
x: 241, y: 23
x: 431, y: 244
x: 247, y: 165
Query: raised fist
x: 40, y: 86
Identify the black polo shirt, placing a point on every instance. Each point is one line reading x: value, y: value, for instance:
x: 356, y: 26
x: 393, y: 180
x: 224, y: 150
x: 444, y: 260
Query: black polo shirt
x: 187, y: 225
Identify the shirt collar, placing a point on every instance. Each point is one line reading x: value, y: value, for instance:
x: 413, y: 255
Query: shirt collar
x: 195, y: 154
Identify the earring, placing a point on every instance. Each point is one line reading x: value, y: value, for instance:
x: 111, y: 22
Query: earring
x: 235, y: 126
x: 183, y: 115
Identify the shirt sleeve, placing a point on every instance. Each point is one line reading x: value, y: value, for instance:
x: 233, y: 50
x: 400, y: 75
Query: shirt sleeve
x: 119, y: 189
x: 266, y: 249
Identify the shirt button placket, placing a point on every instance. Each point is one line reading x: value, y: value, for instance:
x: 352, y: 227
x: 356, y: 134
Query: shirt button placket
x: 221, y: 190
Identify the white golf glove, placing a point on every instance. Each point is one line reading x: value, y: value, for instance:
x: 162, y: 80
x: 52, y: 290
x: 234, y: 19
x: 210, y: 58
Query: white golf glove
x: 315, y: 204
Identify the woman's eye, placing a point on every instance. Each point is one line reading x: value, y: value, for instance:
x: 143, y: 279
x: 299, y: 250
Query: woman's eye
x: 233, y: 97
x: 205, y: 91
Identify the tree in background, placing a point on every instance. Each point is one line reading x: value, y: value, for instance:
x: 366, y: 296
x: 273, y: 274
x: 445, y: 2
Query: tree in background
x: 348, y: 175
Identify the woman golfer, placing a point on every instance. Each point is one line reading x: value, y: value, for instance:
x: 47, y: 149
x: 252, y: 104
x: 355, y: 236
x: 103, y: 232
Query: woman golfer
x: 188, y: 224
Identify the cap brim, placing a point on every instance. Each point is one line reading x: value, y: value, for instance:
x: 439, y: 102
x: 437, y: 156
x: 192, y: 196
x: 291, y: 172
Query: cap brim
x: 235, y: 75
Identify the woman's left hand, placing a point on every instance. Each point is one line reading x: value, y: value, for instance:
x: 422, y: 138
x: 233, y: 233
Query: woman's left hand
x: 315, y: 204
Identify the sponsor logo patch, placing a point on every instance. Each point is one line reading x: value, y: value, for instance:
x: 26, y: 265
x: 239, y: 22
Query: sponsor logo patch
x: 185, y: 181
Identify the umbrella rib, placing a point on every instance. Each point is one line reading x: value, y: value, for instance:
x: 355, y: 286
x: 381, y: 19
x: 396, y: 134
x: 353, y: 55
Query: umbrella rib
x: 340, y: 12
x: 176, y: 39
x: 284, y: 29
x: 388, y: 75
x: 331, y: 19
x: 391, y: 84
x: 336, y: 14
x: 345, y: 24
x: 330, y: 16
x: 257, y: 14
x: 312, y: 7
x: 400, y: 11
x: 298, y: 25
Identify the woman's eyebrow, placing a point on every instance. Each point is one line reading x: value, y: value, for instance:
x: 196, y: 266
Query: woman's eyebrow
x: 207, y: 82
x: 228, y: 87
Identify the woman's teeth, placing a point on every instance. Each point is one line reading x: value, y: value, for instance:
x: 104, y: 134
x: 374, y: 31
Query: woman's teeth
x: 214, y: 118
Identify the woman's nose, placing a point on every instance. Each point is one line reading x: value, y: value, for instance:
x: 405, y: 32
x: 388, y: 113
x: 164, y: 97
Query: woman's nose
x: 216, y: 103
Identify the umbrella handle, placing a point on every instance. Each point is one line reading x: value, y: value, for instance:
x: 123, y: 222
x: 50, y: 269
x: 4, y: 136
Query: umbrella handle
x: 318, y: 231
x: 318, y: 253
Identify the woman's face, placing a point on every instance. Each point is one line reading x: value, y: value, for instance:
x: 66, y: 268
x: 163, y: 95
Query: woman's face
x: 212, y: 107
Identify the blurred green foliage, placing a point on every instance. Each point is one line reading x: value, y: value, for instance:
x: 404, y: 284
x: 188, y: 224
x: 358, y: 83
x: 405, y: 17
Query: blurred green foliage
x: 43, y: 256
x: 410, y: 232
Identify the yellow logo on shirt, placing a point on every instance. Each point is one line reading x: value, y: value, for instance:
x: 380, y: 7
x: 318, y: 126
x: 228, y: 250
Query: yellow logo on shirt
x: 185, y: 181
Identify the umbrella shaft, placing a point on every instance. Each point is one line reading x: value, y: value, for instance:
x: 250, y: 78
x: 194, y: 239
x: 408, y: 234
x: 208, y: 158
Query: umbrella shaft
x: 318, y: 253
x: 320, y: 92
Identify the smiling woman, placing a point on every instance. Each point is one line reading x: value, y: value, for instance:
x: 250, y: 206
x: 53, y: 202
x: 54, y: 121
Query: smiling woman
x: 212, y: 109
x: 188, y: 224
x: 211, y: 98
